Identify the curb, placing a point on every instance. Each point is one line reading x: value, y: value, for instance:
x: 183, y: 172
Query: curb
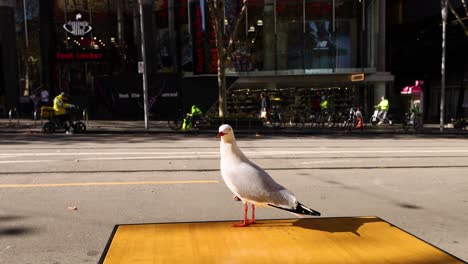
x: 259, y: 131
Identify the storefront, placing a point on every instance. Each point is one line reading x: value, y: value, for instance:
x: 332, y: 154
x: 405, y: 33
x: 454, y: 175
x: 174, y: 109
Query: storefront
x: 91, y: 49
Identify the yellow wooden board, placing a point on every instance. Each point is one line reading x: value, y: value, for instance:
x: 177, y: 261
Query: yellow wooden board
x: 310, y: 240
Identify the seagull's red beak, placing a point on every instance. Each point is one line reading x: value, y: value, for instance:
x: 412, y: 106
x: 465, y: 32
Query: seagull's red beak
x: 220, y: 134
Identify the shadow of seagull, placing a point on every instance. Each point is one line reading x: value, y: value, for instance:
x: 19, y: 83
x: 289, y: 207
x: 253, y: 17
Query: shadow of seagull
x: 337, y: 225
x: 330, y: 225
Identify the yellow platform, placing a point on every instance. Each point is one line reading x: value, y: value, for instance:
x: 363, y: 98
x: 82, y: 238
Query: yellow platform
x: 367, y: 240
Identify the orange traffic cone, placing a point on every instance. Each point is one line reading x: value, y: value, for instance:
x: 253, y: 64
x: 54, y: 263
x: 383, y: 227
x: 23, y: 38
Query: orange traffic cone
x: 359, y: 123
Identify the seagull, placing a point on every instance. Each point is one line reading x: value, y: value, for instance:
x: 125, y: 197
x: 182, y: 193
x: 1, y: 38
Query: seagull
x: 251, y: 184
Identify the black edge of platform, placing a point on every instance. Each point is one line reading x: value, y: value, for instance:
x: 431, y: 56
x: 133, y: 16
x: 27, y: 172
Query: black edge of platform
x: 239, y: 220
x: 401, y: 229
x: 109, y: 242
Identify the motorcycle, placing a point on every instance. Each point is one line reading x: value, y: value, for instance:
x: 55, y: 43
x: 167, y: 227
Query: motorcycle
x: 377, y: 118
x: 53, y: 124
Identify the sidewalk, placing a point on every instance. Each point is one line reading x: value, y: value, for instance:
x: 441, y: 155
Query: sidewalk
x: 138, y: 127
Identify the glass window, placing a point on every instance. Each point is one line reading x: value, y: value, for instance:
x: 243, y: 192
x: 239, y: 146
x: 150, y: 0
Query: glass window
x: 372, y: 29
x: 161, y: 12
x: 290, y: 34
x: 184, y: 38
x: 319, y: 43
x: 347, y: 33
x: 269, y: 45
x: 28, y: 46
x: 253, y: 41
x: 242, y: 50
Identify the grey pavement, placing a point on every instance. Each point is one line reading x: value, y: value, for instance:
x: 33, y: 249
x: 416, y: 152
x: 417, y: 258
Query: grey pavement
x: 132, y: 127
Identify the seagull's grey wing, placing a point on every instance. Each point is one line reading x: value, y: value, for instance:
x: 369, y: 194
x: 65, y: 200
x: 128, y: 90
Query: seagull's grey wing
x: 255, y: 184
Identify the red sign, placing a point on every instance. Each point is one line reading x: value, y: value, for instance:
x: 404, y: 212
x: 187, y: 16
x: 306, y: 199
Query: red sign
x: 79, y: 55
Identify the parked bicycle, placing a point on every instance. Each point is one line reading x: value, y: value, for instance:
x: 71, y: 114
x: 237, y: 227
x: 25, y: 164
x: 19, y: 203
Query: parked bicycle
x: 296, y: 117
x: 274, y: 118
x: 412, y: 121
x: 352, y: 119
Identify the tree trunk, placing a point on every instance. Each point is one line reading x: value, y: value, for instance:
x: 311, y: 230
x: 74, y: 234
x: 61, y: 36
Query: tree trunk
x: 222, y: 87
x: 224, y: 46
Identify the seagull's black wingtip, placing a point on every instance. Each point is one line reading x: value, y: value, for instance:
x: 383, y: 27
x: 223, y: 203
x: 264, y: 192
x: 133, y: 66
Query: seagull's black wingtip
x: 300, y: 209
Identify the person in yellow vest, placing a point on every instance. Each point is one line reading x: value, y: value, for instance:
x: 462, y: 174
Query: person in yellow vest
x: 61, y: 110
x: 324, y: 103
x: 383, y: 106
x: 195, y: 114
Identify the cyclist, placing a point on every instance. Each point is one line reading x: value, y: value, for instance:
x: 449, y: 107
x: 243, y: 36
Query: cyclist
x: 383, y: 106
x: 324, y: 103
x: 61, y: 112
x: 194, y: 115
x: 414, y: 110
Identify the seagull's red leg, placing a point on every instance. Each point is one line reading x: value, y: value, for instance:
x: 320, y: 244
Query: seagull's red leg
x: 246, y: 221
x: 253, y: 215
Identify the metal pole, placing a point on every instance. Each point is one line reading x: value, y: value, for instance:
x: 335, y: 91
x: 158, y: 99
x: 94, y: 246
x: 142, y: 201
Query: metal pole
x: 65, y: 3
x: 25, y: 24
x: 143, y: 58
x: 90, y: 17
x: 442, y: 67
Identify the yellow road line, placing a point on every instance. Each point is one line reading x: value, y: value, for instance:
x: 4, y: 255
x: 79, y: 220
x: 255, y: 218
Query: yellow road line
x: 102, y: 184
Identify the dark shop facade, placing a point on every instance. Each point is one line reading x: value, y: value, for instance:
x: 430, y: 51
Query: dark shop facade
x: 296, y: 50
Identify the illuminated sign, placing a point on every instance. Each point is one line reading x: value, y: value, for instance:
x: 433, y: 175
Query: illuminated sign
x: 357, y: 77
x: 79, y: 55
x: 78, y: 27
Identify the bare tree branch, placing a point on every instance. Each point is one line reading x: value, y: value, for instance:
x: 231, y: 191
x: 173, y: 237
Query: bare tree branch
x: 233, y: 36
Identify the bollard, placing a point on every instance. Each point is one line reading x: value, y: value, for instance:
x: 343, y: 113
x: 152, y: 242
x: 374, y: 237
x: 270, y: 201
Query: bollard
x: 35, y: 118
x: 10, y: 114
x: 85, y: 117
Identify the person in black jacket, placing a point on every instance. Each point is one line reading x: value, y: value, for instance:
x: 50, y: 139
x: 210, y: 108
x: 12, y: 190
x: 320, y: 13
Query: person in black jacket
x: 265, y: 106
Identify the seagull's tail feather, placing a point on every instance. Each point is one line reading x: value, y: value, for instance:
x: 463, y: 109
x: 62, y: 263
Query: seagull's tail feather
x: 300, y: 209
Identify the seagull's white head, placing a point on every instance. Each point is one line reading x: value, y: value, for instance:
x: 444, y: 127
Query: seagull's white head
x: 226, y: 133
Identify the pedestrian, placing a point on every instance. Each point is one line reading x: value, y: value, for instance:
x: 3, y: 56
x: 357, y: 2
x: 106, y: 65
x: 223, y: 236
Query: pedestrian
x: 265, y: 106
x: 44, y: 97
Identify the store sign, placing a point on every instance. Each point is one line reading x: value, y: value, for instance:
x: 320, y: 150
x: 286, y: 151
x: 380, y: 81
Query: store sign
x: 77, y: 27
x: 166, y: 95
x: 357, y: 77
x: 79, y: 55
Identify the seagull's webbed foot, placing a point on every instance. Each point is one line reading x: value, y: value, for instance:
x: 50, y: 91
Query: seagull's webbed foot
x: 246, y: 221
x: 242, y: 224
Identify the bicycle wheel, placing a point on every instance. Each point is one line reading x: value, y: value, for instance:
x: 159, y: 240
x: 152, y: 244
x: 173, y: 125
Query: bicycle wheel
x: 48, y: 127
x: 321, y: 120
x: 292, y: 122
x: 275, y: 120
x: 175, y: 124
x: 331, y: 121
x: 79, y: 127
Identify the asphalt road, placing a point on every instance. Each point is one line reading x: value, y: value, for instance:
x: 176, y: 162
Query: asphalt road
x: 60, y: 196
